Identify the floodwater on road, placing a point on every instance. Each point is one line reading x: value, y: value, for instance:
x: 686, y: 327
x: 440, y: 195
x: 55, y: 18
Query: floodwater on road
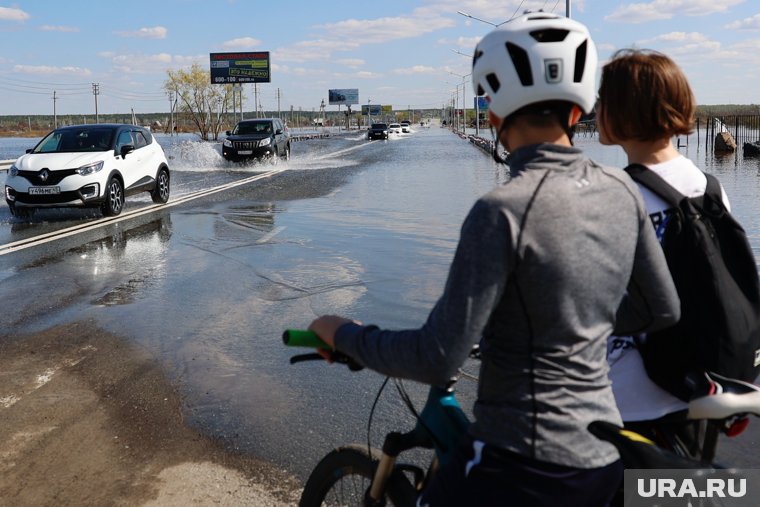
x: 356, y: 228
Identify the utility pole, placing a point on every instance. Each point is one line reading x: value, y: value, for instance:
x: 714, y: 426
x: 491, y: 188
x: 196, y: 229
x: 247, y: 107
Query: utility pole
x: 278, y: 104
x: 55, y: 115
x: 171, y: 113
x: 96, y: 92
x: 256, y: 99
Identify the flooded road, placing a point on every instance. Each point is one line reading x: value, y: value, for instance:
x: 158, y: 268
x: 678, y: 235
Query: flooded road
x: 207, y: 285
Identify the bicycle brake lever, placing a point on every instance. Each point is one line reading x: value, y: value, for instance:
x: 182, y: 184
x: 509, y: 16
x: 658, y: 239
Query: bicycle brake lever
x: 335, y: 357
x: 305, y: 357
x: 339, y: 357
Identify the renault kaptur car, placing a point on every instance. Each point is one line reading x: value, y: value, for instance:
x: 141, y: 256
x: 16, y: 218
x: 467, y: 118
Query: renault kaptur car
x: 88, y: 166
x: 262, y: 138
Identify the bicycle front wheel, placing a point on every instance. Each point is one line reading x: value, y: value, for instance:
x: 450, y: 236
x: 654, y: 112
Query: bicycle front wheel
x: 343, y: 477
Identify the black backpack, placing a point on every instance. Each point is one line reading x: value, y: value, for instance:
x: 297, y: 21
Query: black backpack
x: 716, y: 277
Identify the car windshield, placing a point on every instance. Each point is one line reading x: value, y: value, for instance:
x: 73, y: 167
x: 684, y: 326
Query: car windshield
x: 253, y: 127
x: 379, y: 126
x: 75, y: 140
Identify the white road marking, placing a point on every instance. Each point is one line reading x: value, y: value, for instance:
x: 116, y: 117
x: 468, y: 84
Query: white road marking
x: 271, y: 234
x: 78, y: 229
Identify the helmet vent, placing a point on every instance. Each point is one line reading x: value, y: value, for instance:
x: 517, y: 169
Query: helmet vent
x: 521, y: 62
x: 475, y: 57
x: 481, y: 91
x: 580, y: 61
x: 549, y: 35
x: 493, y: 82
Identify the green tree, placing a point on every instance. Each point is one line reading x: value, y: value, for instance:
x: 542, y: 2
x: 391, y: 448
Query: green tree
x: 205, y: 104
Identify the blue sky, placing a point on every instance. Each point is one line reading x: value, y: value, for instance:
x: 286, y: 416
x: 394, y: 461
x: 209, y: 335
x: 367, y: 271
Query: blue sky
x: 402, y: 53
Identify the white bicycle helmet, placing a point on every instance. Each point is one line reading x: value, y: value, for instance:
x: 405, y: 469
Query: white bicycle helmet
x: 533, y: 58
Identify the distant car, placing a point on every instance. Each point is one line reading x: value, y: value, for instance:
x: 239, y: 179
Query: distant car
x: 93, y: 165
x: 378, y: 131
x: 262, y: 138
x: 405, y: 127
x: 394, y: 128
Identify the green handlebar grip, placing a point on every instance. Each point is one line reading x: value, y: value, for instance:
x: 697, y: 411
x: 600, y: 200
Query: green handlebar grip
x: 299, y: 338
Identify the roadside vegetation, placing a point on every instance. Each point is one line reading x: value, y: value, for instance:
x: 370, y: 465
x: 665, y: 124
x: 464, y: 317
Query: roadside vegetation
x: 188, y: 118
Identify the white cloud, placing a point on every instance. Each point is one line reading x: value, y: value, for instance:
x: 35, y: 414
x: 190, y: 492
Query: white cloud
x: 59, y: 28
x: 241, y: 43
x: 351, y: 62
x: 667, y: 9
x: 751, y: 23
x: 49, y: 70
x: 13, y: 14
x: 142, y: 64
x: 311, y: 50
x: 387, y: 29
x: 365, y: 74
x: 417, y: 69
x: 678, y: 37
x: 156, y: 32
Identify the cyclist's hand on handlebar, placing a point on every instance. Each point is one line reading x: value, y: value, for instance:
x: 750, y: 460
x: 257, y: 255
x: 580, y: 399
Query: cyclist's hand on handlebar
x: 325, y: 327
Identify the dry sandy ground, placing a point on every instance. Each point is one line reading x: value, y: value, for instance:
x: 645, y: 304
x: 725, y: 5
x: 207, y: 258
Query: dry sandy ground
x: 87, y: 419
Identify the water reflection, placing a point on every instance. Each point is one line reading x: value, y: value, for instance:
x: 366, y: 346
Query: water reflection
x: 116, y: 267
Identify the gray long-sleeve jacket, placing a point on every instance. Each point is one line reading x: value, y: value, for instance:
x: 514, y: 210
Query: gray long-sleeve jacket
x: 547, y: 265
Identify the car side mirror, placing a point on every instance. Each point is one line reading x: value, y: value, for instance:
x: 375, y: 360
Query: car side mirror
x: 228, y: 133
x: 29, y: 150
x: 278, y: 131
x: 126, y: 149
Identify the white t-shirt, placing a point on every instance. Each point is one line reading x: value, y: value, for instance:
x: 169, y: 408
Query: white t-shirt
x: 637, y: 397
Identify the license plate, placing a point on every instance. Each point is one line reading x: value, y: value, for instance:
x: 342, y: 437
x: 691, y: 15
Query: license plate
x: 44, y: 190
x: 245, y: 152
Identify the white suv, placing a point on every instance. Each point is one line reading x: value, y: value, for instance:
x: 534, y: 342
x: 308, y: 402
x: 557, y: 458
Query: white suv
x: 88, y: 166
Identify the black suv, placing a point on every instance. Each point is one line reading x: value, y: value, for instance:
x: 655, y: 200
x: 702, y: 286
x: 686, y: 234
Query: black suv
x: 378, y: 131
x: 257, y: 139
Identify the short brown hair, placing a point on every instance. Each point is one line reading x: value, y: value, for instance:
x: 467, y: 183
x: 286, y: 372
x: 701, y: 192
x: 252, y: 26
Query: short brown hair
x: 645, y: 96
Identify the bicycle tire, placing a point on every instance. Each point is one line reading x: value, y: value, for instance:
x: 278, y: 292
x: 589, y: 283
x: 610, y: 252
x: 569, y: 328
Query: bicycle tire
x: 343, y: 476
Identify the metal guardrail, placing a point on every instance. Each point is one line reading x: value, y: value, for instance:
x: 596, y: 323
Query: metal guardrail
x: 6, y: 164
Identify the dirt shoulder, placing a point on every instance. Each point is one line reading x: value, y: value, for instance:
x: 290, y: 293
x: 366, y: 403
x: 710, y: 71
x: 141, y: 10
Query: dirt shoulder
x: 87, y: 419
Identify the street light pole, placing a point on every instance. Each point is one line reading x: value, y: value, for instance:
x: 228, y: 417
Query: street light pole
x: 464, y: 103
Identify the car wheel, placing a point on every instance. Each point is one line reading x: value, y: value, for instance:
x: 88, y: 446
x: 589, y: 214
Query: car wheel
x: 274, y: 158
x: 160, y: 194
x: 287, y: 151
x: 114, y: 198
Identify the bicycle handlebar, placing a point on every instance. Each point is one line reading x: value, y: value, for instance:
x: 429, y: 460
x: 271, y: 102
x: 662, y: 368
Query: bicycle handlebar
x: 302, y: 338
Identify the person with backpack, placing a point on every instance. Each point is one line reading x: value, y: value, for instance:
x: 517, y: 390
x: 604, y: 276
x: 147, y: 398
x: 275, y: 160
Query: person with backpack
x: 546, y: 266
x: 644, y: 101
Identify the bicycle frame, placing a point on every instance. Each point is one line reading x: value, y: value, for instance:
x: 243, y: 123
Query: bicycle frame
x: 440, y: 426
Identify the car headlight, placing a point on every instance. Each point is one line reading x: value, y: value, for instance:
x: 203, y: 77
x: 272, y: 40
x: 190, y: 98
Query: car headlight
x: 227, y: 143
x: 13, y: 171
x: 265, y: 142
x: 90, y: 168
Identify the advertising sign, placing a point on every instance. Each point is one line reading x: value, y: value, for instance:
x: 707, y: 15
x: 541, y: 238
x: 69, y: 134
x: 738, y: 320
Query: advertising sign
x: 480, y: 103
x: 240, y: 67
x: 372, y: 109
x: 343, y: 96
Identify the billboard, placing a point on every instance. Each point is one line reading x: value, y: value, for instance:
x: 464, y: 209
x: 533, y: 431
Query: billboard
x: 372, y: 109
x: 343, y: 96
x: 240, y: 67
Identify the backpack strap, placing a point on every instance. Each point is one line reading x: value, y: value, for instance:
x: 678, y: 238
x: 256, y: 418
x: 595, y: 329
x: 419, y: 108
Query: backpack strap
x: 641, y: 174
x: 650, y: 179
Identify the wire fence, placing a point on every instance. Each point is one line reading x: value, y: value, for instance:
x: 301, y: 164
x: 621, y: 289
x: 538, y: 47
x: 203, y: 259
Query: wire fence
x: 743, y: 129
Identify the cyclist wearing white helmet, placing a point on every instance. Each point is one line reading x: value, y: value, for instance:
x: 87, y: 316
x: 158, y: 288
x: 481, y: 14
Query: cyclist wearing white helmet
x: 546, y: 267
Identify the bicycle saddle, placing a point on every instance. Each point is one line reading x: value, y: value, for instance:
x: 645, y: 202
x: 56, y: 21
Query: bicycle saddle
x: 721, y: 398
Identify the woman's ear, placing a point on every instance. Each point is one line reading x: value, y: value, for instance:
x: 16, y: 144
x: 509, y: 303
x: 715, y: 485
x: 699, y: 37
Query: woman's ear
x: 575, y: 115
